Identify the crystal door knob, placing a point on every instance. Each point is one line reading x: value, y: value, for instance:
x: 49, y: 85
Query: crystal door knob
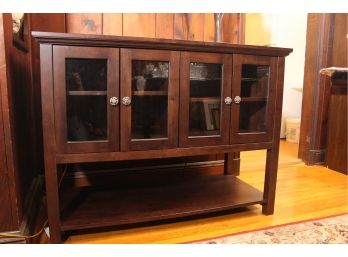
x: 228, y: 100
x: 126, y: 100
x: 113, y: 101
x: 237, y: 99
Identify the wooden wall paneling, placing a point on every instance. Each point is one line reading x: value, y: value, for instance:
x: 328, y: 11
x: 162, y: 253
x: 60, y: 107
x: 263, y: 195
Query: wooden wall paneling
x: 139, y: 24
x: 165, y: 25
x: 189, y: 26
x: 6, y: 219
x: 9, y: 186
x: 231, y: 28
x: 180, y: 26
x: 340, y: 44
x: 209, y: 27
x: 84, y: 23
x: 112, y: 24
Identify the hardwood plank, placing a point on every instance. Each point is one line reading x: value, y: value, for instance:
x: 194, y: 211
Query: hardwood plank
x: 230, y: 28
x: 209, y: 27
x: 195, y: 26
x: 165, y: 25
x: 180, y: 26
x: 84, y: 23
x: 183, y: 197
x: 139, y: 24
x: 112, y: 24
x: 189, y: 26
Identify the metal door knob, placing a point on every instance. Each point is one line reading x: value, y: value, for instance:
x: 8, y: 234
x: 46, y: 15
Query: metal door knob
x: 113, y: 101
x: 228, y: 100
x: 126, y: 100
x: 237, y: 99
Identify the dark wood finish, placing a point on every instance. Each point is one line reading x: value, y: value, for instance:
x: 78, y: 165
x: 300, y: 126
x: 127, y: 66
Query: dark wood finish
x: 273, y: 153
x: 127, y: 55
x: 160, y: 44
x: 47, y: 95
x: 175, y: 196
x: 60, y: 53
x: 20, y: 121
x: 146, y: 154
x: 325, y: 47
x: 169, y: 199
x: 236, y: 136
x: 336, y: 155
x: 232, y: 164
x: 226, y: 61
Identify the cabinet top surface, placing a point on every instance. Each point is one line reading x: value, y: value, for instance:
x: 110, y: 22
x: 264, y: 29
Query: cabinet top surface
x: 154, y: 43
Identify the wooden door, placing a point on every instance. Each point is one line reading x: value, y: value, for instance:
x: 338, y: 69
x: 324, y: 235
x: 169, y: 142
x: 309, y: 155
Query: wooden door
x: 205, y: 98
x: 253, y: 93
x: 86, y: 93
x: 149, y: 99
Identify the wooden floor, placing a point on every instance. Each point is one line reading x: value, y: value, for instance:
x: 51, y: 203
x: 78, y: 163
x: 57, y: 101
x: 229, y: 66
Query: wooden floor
x: 303, y: 192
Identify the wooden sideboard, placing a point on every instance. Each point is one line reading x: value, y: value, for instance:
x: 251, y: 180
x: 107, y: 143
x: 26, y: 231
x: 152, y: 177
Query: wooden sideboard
x: 107, y: 98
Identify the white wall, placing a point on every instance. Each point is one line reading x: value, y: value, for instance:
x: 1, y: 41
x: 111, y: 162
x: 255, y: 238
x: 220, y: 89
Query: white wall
x: 283, y: 30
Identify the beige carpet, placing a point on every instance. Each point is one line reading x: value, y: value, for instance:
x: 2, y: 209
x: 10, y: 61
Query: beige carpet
x: 329, y: 230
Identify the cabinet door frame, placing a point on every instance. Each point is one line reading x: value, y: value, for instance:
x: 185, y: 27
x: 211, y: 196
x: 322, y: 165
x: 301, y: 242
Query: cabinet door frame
x: 173, y: 57
x: 60, y: 53
x: 186, y: 58
x: 250, y: 137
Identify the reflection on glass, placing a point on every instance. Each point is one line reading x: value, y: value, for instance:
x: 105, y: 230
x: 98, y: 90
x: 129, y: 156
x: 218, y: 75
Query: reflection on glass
x: 86, y: 118
x: 86, y: 84
x: 149, y: 99
x: 252, y: 117
x: 86, y: 74
x: 205, y: 99
x: 255, y: 80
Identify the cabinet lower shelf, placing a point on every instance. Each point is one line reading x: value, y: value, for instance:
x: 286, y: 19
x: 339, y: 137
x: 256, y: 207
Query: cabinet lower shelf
x: 91, y: 207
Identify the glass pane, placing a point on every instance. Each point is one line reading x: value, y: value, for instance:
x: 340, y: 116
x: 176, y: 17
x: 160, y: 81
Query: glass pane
x: 205, y: 99
x: 149, y: 99
x: 86, y: 84
x: 86, y: 118
x: 252, y: 117
x: 255, y: 80
x: 86, y: 74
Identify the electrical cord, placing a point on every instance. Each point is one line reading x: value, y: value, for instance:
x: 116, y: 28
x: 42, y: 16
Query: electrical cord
x: 45, y: 223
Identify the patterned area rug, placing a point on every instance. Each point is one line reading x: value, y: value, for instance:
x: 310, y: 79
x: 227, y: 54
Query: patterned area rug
x: 330, y: 230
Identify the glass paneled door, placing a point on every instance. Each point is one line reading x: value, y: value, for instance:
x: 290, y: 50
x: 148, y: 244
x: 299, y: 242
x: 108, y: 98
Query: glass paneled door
x: 150, y: 95
x: 205, y: 98
x: 253, y: 100
x: 86, y: 87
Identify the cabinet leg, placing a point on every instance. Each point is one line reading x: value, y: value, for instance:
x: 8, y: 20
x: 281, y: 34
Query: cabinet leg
x: 232, y: 164
x: 53, y: 202
x: 270, y: 181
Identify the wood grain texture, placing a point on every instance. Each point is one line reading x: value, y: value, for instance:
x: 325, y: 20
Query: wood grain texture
x: 324, y: 48
x: 165, y: 25
x: 209, y: 27
x: 112, y: 24
x: 189, y: 26
x: 230, y: 28
x: 139, y: 25
x: 299, y: 197
x: 86, y: 23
